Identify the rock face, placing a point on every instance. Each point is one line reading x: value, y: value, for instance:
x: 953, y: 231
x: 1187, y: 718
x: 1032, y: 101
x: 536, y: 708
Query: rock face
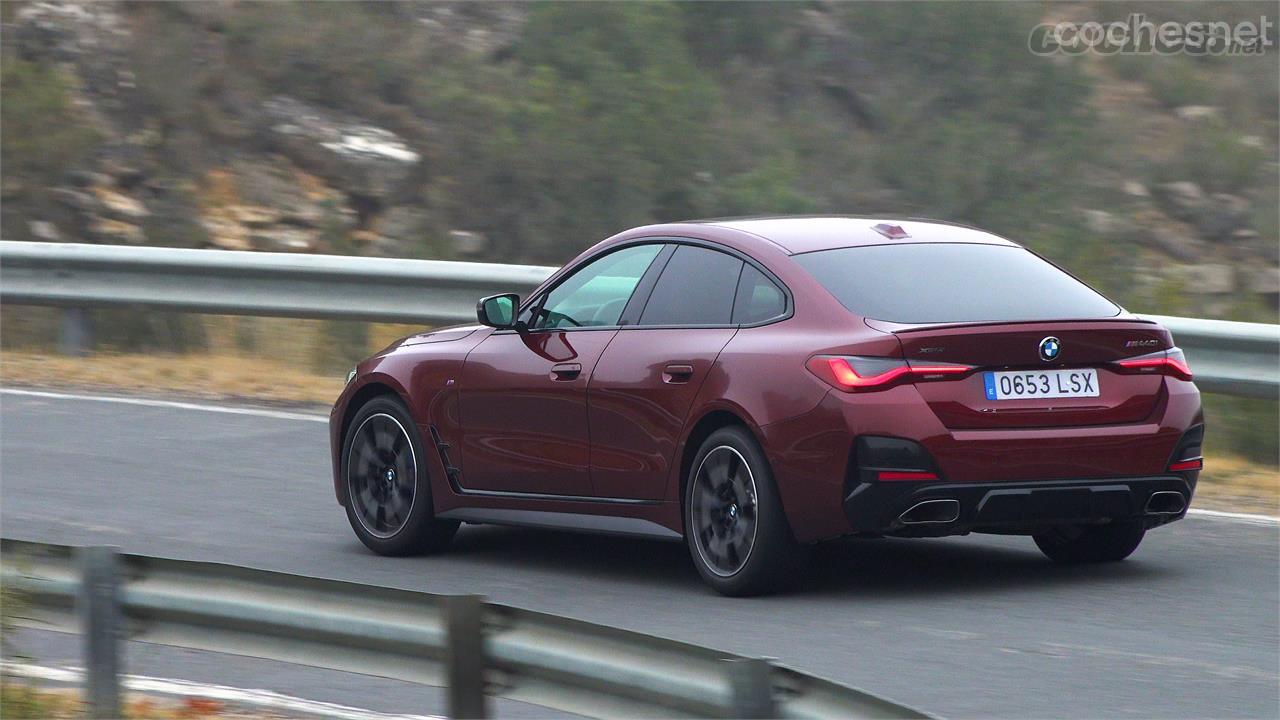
x: 1171, y: 237
x: 1220, y: 215
x: 1104, y: 223
x: 295, y: 197
x: 45, y: 231
x: 93, y: 38
x: 1207, y: 278
x: 119, y: 206
x: 399, y: 231
x: 115, y: 232
x: 1185, y: 199
x: 284, y: 240
x: 1133, y: 188
x: 480, y: 28
x: 1214, y: 216
x: 366, y: 160
x: 272, y: 206
x: 468, y: 243
x: 226, y: 234
x: 1197, y: 113
x: 844, y: 74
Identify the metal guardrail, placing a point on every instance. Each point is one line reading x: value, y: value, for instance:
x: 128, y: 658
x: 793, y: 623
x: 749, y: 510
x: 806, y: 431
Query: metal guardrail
x: 1227, y: 357
x: 252, y: 283
x: 476, y: 649
x: 1233, y: 358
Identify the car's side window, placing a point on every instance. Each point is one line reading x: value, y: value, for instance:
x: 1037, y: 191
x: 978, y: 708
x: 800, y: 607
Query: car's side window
x: 696, y: 288
x: 759, y: 298
x: 596, y: 294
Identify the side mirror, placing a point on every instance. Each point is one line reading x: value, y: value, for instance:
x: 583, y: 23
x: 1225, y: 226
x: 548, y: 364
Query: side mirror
x: 498, y: 311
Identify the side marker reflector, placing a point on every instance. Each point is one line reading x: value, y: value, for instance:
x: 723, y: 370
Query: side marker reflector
x: 905, y: 475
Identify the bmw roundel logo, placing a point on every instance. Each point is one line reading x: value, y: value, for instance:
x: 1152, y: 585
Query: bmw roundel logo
x: 1050, y: 347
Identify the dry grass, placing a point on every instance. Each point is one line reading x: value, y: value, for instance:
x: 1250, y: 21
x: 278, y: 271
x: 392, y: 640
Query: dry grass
x: 205, y: 376
x: 1227, y: 483
x: 1231, y: 483
x: 22, y: 701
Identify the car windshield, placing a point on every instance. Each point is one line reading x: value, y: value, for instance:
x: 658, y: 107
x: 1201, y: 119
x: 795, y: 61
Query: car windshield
x: 916, y: 283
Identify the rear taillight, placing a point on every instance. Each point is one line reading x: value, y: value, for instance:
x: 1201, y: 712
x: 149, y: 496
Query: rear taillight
x: 853, y: 373
x: 1185, y: 465
x: 1169, y: 362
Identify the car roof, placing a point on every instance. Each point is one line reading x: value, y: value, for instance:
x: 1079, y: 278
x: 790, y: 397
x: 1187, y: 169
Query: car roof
x: 810, y: 233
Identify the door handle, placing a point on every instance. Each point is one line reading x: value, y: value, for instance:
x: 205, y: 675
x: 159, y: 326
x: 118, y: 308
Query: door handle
x: 565, y: 371
x: 675, y: 374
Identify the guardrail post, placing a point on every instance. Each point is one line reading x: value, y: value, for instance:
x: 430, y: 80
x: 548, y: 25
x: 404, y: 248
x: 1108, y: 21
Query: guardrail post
x: 98, y: 606
x: 464, y: 655
x: 74, y: 336
x: 751, y: 689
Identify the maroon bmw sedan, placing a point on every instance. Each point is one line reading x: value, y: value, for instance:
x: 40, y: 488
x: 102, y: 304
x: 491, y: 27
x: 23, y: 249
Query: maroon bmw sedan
x: 752, y: 387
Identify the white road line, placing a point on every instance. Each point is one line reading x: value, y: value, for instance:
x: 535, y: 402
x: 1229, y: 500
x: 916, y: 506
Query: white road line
x: 1249, y: 518
x: 184, y: 688
x: 280, y: 415
x: 229, y: 410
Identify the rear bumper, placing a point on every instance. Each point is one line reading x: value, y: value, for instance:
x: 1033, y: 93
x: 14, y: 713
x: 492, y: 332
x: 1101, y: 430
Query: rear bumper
x: 814, y: 459
x: 1018, y: 508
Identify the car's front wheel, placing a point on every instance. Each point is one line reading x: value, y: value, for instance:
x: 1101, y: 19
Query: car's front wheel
x: 1091, y: 543
x: 737, y: 533
x: 388, y: 488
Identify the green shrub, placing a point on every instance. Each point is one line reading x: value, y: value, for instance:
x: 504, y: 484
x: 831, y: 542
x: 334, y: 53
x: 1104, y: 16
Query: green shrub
x: 1213, y: 156
x: 1178, y: 80
x: 1243, y: 426
x: 772, y: 188
x: 44, y: 135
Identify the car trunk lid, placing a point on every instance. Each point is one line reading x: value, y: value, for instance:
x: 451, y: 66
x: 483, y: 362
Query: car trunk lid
x: 965, y: 403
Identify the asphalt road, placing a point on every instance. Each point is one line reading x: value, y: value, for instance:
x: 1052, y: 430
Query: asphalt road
x: 961, y: 627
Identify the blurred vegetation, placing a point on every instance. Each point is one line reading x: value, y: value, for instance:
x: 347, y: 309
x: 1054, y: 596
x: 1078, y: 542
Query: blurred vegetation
x: 594, y: 117
x: 1246, y: 427
x: 44, y: 135
x: 1216, y: 158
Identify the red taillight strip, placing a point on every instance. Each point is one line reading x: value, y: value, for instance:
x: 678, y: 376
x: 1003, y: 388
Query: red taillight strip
x: 1180, y: 366
x: 1183, y: 465
x: 905, y: 475
x: 839, y: 371
x: 846, y: 375
x: 1167, y: 362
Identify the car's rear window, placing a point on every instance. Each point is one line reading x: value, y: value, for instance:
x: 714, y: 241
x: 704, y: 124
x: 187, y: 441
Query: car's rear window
x: 917, y: 283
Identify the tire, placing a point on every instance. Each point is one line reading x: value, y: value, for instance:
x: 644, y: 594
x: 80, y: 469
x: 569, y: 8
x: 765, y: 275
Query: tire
x: 384, y: 471
x: 735, y: 528
x: 1092, y: 543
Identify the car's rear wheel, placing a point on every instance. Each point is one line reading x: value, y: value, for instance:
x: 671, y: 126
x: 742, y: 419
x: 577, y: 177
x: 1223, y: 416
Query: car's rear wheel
x: 388, y: 488
x: 1091, y: 543
x: 737, y: 533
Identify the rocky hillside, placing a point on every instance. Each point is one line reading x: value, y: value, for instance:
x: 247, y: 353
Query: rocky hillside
x: 523, y: 133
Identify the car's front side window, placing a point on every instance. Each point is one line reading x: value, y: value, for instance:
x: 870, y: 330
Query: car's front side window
x: 596, y: 294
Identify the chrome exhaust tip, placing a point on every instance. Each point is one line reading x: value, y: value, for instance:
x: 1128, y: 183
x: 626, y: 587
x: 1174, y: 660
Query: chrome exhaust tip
x: 1166, y: 502
x: 930, y: 512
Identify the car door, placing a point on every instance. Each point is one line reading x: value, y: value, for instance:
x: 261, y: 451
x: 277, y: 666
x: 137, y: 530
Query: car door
x: 646, y: 380
x: 523, y: 402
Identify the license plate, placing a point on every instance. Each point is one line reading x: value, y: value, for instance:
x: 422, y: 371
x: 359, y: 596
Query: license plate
x: 1024, y: 384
